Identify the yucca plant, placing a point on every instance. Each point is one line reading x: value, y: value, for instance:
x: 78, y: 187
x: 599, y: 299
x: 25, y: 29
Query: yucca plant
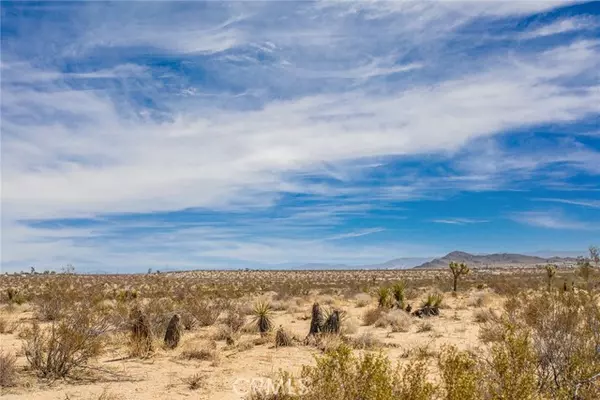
x: 398, y: 293
x: 384, y: 296
x: 434, y: 300
x: 262, y: 316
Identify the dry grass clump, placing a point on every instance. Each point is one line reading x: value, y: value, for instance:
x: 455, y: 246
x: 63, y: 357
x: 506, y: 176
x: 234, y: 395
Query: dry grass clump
x: 398, y: 320
x: 350, y: 326
x: 424, y: 327
x: 194, y: 382
x: 8, y: 372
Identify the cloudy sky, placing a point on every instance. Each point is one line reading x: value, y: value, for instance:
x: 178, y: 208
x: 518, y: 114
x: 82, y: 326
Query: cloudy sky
x: 159, y: 135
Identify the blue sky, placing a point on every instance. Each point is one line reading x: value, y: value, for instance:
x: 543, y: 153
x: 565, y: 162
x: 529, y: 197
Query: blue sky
x: 176, y: 135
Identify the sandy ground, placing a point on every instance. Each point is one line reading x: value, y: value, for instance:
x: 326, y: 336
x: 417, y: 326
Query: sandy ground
x: 227, y: 378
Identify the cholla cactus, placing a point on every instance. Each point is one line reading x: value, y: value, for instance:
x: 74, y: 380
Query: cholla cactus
x: 457, y: 271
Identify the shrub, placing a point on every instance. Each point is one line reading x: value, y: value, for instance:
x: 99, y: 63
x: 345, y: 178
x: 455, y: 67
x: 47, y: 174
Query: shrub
x: 235, y: 318
x: 204, y: 311
x: 398, y: 320
x: 366, y: 341
x: 460, y: 374
x: 371, y: 316
x: 66, y: 345
x: 511, y: 373
x: 362, y: 300
x: 7, y: 369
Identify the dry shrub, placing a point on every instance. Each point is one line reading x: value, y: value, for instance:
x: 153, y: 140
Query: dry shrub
x: 483, y: 316
x: 3, y: 325
x: 350, y: 326
x: 424, y: 327
x: 66, y: 345
x: 235, y: 318
x: 224, y: 332
x: 481, y: 300
x: 366, y: 341
x: 205, y: 352
x: 7, y: 369
x: 195, y: 381
x: 371, y: 316
x: 363, y: 300
x: 283, y: 338
x: 141, y: 337
x: 398, y: 320
x: 204, y: 311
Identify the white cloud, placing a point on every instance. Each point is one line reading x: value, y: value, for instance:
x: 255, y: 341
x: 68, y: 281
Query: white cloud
x: 562, y: 26
x: 459, y: 221
x: 578, y: 202
x: 73, y: 151
x: 550, y: 220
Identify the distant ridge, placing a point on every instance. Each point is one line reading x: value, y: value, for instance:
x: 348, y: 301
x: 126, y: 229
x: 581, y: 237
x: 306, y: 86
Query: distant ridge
x: 493, y: 260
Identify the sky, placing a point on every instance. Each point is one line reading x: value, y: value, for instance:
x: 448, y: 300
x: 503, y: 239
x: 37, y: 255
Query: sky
x: 182, y: 135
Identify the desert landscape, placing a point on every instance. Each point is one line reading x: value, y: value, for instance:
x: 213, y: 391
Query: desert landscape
x: 505, y: 333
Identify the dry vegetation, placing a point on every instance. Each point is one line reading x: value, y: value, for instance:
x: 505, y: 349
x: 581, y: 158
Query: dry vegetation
x: 520, y: 333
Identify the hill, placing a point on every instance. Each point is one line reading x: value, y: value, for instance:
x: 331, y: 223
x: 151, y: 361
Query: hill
x: 493, y: 260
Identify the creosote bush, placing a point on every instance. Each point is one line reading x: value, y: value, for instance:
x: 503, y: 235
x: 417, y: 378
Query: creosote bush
x: 65, y: 345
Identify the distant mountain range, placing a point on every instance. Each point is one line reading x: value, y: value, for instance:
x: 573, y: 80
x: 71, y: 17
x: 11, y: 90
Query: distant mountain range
x: 473, y: 260
x: 494, y: 260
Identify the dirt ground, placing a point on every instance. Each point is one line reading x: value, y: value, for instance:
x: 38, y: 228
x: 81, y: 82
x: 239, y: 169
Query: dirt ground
x: 229, y: 371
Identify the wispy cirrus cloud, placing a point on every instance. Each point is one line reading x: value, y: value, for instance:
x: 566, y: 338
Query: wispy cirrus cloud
x: 459, y: 221
x: 239, y: 107
x: 578, y: 202
x: 550, y: 220
x: 562, y: 26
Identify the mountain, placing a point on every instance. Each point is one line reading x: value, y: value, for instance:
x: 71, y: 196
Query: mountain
x: 493, y: 260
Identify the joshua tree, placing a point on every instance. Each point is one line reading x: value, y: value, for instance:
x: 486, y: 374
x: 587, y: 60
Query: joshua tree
x: 262, y: 317
x: 550, y: 273
x: 595, y: 255
x: 457, y: 271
